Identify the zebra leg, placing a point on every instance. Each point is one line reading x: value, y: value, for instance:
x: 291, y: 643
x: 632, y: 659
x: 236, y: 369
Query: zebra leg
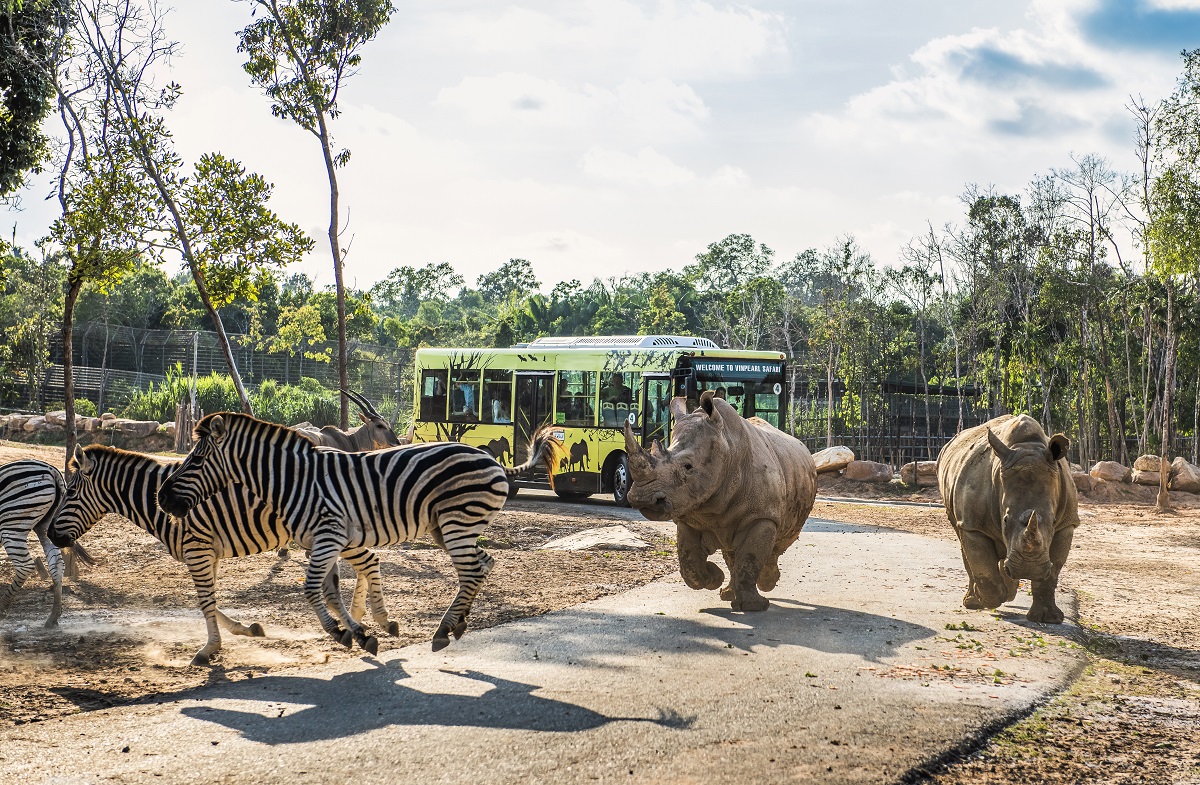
x: 327, y: 544
x: 234, y: 626
x: 54, y: 558
x: 202, y: 565
x: 472, y: 565
x: 369, y: 586
x: 16, y: 545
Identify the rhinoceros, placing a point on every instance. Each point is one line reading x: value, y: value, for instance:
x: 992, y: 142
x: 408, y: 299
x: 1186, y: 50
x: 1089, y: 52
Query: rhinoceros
x: 1010, y: 497
x: 736, y: 485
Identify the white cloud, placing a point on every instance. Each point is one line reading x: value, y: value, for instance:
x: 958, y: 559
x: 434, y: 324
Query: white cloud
x: 648, y: 167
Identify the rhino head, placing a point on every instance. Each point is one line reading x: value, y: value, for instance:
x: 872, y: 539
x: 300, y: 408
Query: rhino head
x: 1029, y: 491
x: 670, y: 482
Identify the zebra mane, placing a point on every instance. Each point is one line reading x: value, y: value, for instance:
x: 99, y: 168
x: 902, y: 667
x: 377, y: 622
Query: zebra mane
x: 94, y: 451
x: 278, y: 434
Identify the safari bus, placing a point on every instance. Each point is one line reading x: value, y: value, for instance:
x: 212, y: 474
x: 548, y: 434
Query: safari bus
x: 589, y: 388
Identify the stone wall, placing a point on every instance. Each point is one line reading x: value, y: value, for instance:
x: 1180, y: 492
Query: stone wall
x: 49, y: 428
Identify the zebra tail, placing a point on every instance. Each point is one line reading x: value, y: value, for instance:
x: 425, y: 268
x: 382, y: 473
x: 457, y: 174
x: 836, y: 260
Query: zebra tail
x: 542, y: 450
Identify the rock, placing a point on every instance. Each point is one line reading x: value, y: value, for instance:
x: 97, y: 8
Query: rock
x: 91, y: 424
x: 608, y: 538
x: 34, y: 423
x: 136, y: 428
x: 833, y: 459
x: 919, y: 473
x: 1184, y: 476
x: 1111, y: 471
x: 168, y: 428
x: 108, y: 416
x: 57, y: 418
x: 1146, y: 478
x: 1083, y: 481
x: 868, y: 471
x: 1148, y: 463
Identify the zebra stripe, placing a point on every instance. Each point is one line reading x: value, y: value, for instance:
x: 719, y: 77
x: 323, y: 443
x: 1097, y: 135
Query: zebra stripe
x: 229, y: 524
x: 332, y: 501
x: 30, y: 491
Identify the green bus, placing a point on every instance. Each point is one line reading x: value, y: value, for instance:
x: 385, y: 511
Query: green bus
x: 589, y: 388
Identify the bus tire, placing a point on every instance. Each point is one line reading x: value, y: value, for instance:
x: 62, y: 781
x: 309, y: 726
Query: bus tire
x: 621, y: 481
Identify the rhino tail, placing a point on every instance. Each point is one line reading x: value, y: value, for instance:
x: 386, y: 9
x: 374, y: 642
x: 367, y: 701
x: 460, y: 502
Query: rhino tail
x: 544, y: 449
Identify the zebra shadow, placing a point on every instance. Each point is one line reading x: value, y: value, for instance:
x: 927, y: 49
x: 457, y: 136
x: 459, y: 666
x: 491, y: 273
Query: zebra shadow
x: 351, y: 703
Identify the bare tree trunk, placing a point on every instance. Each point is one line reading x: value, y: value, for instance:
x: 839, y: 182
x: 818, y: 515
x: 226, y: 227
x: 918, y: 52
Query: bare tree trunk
x: 73, y: 287
x: 1163, y: 503
x: 335, y: 248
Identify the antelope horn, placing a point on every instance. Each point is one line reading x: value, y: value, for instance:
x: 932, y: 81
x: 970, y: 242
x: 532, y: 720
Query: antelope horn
x: 362, y: 403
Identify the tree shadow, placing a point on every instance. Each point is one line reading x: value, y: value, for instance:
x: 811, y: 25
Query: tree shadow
x: 330, y: 713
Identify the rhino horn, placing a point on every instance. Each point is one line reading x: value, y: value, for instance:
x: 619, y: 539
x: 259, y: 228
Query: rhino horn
x: 657, y: 451
x: 640, y: 461
x: 1002, y: 450
x: 1031, y: 537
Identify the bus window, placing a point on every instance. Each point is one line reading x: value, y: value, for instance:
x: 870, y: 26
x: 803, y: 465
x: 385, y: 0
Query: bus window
x: 656, y: 409
x: 753, y: 388
x: 616, y: 399
x: 433, y: 396
x: 576, y: 398
x: 464, y: 394
x: 497, y: 396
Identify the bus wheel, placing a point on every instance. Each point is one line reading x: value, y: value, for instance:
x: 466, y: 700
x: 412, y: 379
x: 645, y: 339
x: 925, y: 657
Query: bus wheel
x: 621, y: 482
x: 571, y: 495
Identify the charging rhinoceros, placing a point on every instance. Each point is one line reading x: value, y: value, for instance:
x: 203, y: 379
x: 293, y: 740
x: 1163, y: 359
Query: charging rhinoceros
x: 736, y: 485
x: 1010, y: 497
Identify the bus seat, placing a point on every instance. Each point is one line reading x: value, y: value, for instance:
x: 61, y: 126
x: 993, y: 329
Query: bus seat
x: 622, y: 413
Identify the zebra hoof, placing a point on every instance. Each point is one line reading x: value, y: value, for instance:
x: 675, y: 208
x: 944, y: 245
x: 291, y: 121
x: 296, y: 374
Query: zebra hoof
x: 257, y: 631
x: 51, y: 624
x: 459, y: 629
x: 345, y: 637
x: 440, y: 642
x: 393, y: 629
x: 371, y: 645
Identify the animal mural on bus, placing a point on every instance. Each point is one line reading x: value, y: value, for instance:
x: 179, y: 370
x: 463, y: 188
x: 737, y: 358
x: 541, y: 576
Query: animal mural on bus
x: 375, y: 432
x: 30, y: 492
x: 578, y: 456
x: 331, y: 501
x: 500, y: 449
x: 1009, y: 495
x: 231, y: 523
x: 737, y: 485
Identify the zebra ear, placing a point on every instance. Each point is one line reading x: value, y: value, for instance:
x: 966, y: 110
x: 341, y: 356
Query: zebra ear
x: 82, y: 462
x: 216, y: 427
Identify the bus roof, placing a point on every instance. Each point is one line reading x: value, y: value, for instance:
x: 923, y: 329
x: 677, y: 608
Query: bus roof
x: 585, y: 356
x: 620, y: 342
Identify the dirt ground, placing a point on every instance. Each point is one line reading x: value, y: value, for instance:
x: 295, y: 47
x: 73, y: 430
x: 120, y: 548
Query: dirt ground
x: 1130, y: 718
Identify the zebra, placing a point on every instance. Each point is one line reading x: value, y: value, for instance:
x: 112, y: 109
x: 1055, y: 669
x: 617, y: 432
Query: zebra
x: 30, y: 492
x: 231, y: 523
x: 333, y: 500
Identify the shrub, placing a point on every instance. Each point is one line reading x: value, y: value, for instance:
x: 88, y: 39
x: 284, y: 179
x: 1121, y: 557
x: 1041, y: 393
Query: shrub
x: 85, y: 407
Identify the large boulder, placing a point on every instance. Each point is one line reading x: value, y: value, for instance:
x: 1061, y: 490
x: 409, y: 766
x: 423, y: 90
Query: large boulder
x: 1083, y: 481
x: 1111, y: 471
x: 868, y: 471
x: 34, y: 424
x: 1147, y: 463
x: 607, y: 538
x: 1146, y: 478
x: 919, y: 473
x: 139, y: 429
x: 833, y: 459
x: 57, y: 418
x: 1184, y: 476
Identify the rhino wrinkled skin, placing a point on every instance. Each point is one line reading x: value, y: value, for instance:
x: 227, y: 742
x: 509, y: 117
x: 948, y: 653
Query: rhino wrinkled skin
x: 1009, y: 494
x: 732, y: 484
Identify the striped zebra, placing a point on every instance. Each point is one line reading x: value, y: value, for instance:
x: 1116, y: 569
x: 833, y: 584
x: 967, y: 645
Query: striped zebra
x: 30, y: 491
x: 332, y: 501
x: 228, y: 524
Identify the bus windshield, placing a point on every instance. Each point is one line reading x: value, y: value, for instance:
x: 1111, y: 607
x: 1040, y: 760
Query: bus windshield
x: 753, y: 388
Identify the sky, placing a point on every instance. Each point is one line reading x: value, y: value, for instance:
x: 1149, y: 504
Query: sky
x: 598, y: 138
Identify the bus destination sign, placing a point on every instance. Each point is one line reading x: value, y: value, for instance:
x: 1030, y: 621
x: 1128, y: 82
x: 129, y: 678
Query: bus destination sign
x: 735, y: 366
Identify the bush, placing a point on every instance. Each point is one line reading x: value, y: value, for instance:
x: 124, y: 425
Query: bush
x: 85, y: 407
x: 281, y: 403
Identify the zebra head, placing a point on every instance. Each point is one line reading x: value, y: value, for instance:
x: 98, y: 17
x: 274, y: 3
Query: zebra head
x: 203, y: 472
x: 81, y: 506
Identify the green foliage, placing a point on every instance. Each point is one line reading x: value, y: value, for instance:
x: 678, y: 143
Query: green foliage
x: 514, y: 280
x: 281, y: 403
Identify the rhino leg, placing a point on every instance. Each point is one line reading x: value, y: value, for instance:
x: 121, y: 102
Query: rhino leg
x: 697, y: 571
x: 728, y: 592
x: 1043, y: 608
x: 987, y: 588
x: 769, y: 575
x: 752, y: 553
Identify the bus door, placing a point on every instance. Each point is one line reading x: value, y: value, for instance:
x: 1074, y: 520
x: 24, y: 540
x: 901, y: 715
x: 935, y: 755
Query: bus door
x: 534, y: 408
x: 656, y: 414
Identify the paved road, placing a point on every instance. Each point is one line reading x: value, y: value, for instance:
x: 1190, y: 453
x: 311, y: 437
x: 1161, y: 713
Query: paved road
x: 851, y: 676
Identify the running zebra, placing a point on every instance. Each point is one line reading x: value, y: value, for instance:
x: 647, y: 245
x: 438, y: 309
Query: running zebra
x: 332, y: 501
x: 231, y: 523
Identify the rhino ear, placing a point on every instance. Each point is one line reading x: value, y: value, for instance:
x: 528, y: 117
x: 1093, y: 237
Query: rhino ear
x: 706, y: 403
x: 678, y: 408
x: 1059, y: 444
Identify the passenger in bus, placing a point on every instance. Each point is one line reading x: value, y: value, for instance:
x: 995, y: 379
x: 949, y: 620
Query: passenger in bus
x: 616, y: 391
x: 500, y: 412
x: 462, y: 399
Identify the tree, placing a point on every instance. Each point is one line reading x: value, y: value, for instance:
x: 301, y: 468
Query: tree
x: 30, y: 33
x: 401, y: 293
x: 299, y: 53
x: 513, y: 280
